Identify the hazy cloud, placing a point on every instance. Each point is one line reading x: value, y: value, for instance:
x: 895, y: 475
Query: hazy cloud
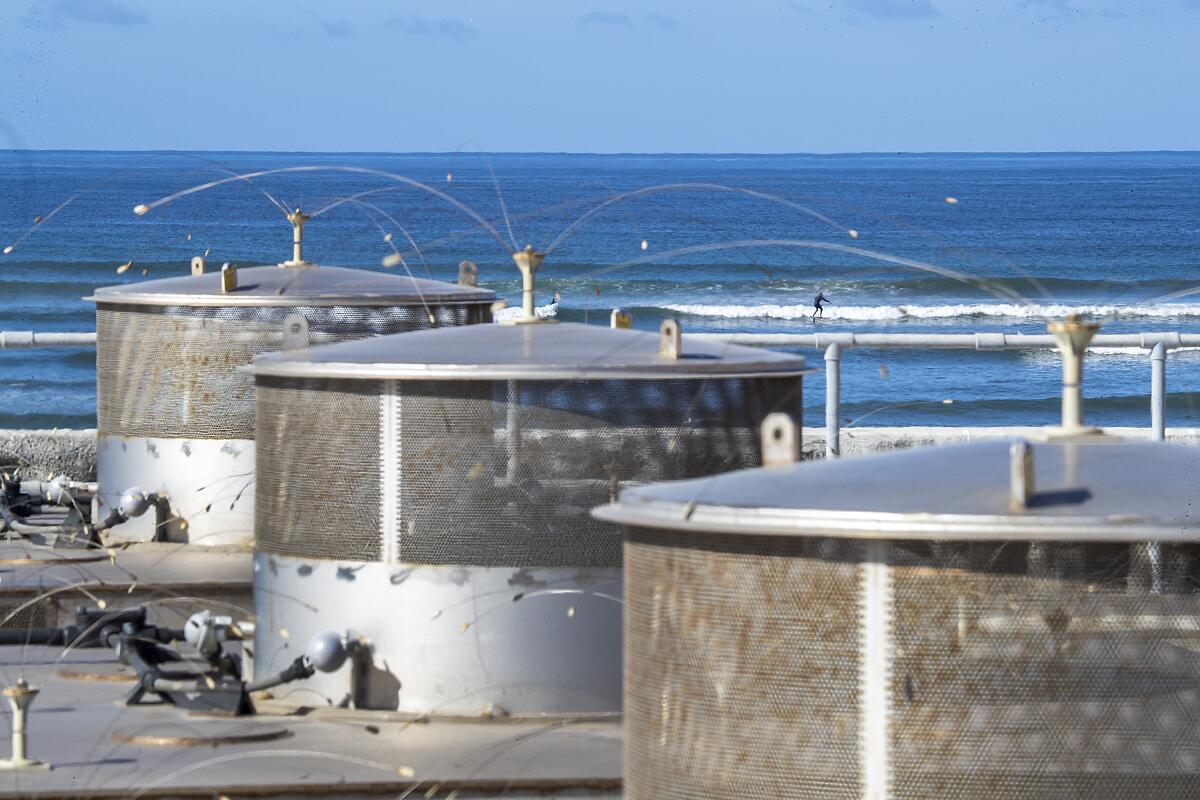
x: 446, y: 27
x: 105, y: 12
x: 894, y: 9
x: 604, y: 19
x: 665, y: 23
x: 1057, y: 6
x: 337, y: 28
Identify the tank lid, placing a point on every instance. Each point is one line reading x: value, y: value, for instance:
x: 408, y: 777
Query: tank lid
x: 532, y: 352
x: 289, y: 286
x: 1083, y: 490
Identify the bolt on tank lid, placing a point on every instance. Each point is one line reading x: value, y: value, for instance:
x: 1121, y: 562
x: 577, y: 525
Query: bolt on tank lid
x: 531, y: 352
x: 306, y: 284
x: 1096, y: 489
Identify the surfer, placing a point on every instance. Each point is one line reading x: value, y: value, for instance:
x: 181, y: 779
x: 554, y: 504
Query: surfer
x: 820, y: 311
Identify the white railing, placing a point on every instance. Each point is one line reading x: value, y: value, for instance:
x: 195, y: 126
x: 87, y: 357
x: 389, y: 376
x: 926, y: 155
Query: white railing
x: 1156, y: 344
x: 19, y: 340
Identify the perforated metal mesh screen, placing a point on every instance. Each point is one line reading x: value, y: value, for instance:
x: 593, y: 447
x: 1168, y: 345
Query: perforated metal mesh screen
x: 317, y: 467
x: 1012, y: 670
x: 171, y: 371
x: 498, y: 473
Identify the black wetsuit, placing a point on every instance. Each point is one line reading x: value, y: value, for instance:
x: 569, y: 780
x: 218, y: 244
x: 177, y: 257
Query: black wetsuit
x: 820, y: 298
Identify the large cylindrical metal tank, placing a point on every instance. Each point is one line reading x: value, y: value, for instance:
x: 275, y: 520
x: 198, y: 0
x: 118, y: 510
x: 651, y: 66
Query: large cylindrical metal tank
x: 976, y: 621
x: 176, y: 417
x: 428, y: 495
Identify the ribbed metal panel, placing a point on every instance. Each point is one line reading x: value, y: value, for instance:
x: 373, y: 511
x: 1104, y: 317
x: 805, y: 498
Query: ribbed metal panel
x: 171, y: 371
x: 797, y: 667
x: 492, y: 473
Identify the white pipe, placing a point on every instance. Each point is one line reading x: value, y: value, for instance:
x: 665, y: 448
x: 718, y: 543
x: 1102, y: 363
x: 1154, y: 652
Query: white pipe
x: 948, y: 341
x: 1158, y: 431
x: 1158, y: 391
x: 19, y: 340
x: 833, y: 399
x: 813, y: 341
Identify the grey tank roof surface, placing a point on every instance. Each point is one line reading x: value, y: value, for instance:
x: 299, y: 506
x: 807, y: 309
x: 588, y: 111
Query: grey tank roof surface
x: 1086, y: 490
x: 289, y: 286
x: 535, y: 352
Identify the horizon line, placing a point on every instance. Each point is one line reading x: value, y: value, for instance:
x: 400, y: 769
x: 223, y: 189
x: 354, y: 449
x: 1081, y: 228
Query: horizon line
x: 664, y: 153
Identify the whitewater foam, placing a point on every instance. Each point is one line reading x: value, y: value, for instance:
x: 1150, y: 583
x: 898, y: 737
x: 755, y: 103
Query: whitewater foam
x: 950, y: 311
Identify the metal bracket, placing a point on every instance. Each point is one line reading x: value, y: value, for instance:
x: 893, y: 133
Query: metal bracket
x: 229, y: 280
x: 295, y: 332
x: 468, y: 274
x: 670, y: 339
x: 780, y: 440
x: 1021, y: 486
x: 198, y: 265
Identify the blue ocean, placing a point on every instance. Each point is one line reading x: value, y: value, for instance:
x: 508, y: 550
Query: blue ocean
x: 903, y: 243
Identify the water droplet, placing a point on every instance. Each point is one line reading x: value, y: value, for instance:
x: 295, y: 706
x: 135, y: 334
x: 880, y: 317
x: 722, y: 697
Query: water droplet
x: 645, y: 245
x: 37, y: 220
x: 124, y: 267
x: 189, y: 237
x: 395, y: 259
x: 101, y: 604
x: 8, y: 249
x: 449, y: 177
x: 952, y: 200
x: 283, y: 633
x: 140, y: 209
x: 853, y: 233
x: 571, y: 611
x: 387, y: 237
x: 436, y: 614
x: 465, y: 626
x: 406, y: 772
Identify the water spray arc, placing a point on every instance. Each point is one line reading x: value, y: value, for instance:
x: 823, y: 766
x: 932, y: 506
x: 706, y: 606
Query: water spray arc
x: 175, y: 415
x: 144, y: 208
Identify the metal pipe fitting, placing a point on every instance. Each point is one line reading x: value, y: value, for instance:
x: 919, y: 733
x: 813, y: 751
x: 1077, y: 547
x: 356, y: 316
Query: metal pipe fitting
x: 21, y: 697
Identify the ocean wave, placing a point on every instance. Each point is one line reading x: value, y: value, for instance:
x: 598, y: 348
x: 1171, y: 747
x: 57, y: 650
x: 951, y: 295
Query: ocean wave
x: 949, y: 311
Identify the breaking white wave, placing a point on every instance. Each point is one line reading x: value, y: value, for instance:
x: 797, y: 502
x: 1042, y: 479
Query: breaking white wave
x: 952, y: 311
x: 511, y: 313
x: 1139, y: 352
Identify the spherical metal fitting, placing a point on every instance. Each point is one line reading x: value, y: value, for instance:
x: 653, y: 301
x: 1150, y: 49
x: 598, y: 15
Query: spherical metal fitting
x: 56, y: 491
x: 134, y: 502
x: 326, y: 651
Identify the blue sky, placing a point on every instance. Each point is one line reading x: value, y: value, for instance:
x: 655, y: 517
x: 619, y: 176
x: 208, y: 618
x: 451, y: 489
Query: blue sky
x: 601, y: 75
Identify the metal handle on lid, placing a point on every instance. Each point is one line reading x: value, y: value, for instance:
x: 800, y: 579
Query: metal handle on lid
x: 670, y: 339
x: 780, y: 440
